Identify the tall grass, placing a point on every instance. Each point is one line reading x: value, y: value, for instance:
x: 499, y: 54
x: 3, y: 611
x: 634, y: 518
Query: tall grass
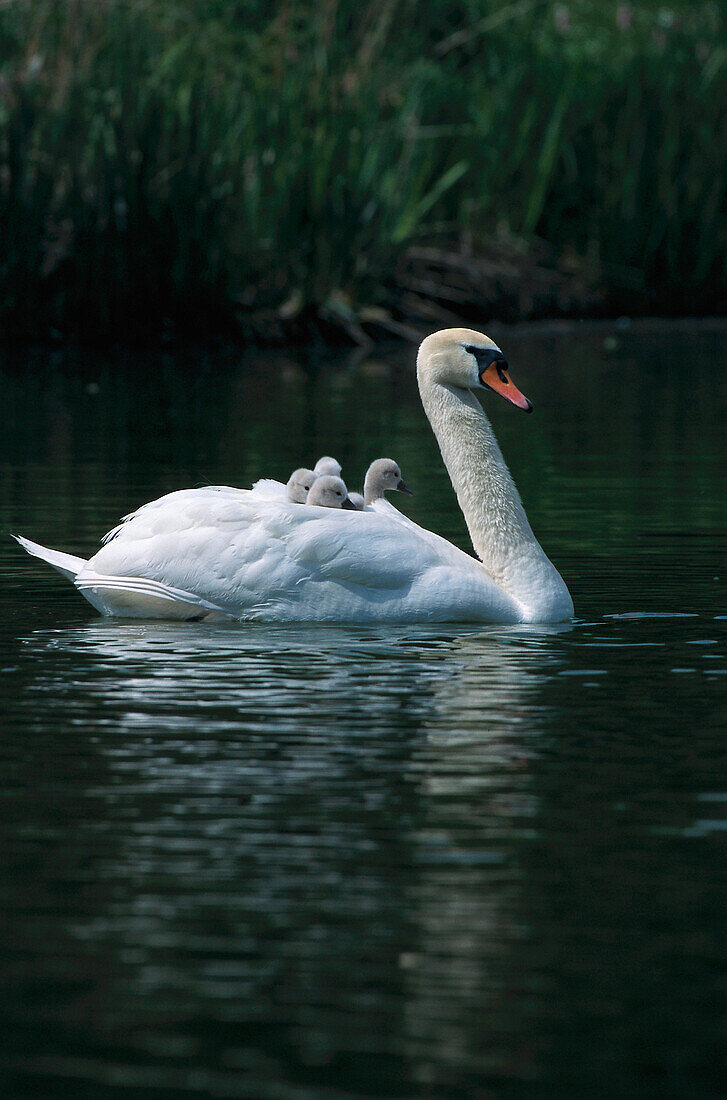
x: 231, y: 162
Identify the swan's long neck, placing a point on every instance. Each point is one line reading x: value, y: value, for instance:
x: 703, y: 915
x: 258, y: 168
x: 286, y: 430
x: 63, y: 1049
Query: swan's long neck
x: 499, y: 529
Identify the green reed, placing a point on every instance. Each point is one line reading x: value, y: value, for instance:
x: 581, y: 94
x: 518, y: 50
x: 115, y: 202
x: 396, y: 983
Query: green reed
x: 169, y: 163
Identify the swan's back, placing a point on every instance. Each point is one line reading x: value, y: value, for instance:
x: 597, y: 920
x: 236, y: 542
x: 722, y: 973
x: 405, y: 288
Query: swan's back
x: 162, y: 512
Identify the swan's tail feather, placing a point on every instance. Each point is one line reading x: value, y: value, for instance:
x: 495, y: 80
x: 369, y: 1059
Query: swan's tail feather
x: 67, y: 564
x: 129, y: 597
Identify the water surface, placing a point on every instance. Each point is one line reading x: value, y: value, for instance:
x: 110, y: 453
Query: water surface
x: 344, y: 862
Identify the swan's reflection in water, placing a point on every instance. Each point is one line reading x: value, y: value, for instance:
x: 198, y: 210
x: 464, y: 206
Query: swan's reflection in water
x: 466, y: 1004
x: 305, y: 842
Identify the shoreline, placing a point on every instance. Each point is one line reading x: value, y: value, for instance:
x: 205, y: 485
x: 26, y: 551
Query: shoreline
x: 397, y: 335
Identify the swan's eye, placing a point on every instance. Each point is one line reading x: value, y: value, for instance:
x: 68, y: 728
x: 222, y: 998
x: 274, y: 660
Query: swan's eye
x: 488, y: 357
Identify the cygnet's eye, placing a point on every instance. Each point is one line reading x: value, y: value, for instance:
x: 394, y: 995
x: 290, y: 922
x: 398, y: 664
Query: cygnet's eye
x: 339, y: 493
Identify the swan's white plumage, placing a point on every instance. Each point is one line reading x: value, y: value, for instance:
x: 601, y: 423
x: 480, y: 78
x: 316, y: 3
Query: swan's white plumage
x: 384, y: 507
x: 271, y: 560
x: 68, y: 565
x: 221, y: 552
x: 269, y: 489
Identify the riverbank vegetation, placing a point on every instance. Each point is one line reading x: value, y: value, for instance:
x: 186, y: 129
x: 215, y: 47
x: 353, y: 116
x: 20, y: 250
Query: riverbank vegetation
x: 236, y: 167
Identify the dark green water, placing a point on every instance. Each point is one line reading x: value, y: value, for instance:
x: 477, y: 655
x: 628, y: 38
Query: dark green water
x: 352, y: 862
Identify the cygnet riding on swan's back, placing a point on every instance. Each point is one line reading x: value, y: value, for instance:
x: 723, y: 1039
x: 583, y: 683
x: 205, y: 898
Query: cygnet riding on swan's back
x: 327, y: 465
x: 381, y: 476
x: 299, y: 485
x: 226, y: 553
x: 329, y: 492
x: 299, y: 482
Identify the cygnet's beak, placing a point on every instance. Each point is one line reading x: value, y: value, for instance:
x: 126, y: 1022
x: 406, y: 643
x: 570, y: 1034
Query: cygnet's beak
x: 402, y: 488
x: 349, y: 505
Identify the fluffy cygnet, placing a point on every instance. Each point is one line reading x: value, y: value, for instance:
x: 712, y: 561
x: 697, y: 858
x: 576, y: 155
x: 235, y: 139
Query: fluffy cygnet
x: 329, y: 492
x: 299, y: 485
x: 382, y: 475
x: 327, y: 466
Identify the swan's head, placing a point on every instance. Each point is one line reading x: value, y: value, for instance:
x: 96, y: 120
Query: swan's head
x: 327, y: 465
x: 468, y: 359
x: 299, y: 485
x: 329, y: 492
x: 382, y: 475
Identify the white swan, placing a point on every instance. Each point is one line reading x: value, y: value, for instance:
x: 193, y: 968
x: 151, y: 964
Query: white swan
x: 382, y: 475
x: 224, y: 553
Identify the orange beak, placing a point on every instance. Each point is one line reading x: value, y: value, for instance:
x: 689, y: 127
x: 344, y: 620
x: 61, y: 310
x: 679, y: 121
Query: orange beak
x: 496, y: 377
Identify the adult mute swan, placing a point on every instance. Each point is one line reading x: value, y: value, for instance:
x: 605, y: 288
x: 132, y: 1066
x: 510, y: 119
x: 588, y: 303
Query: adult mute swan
x: 219, y: 552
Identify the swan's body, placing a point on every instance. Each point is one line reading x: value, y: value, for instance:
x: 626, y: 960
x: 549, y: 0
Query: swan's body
x: 228, y: 553
x: 276, y: 561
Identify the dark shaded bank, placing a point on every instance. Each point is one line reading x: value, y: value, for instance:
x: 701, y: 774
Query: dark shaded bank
x: 348, y: 170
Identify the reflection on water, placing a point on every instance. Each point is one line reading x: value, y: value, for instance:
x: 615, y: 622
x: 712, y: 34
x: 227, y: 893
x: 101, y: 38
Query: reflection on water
x: 343, y: 862
x: 474, y: 774
x: 308, y: 831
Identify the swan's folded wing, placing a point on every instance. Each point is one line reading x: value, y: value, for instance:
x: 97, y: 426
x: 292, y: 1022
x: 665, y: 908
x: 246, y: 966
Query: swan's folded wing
x: 221, y: 546
x: 360, y: 548
x: 238, y: 551
x: 247, y: 558
x: 163, y: 509
x: 384, y: 507
x: 445, y: 550
x: 389, y: 570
